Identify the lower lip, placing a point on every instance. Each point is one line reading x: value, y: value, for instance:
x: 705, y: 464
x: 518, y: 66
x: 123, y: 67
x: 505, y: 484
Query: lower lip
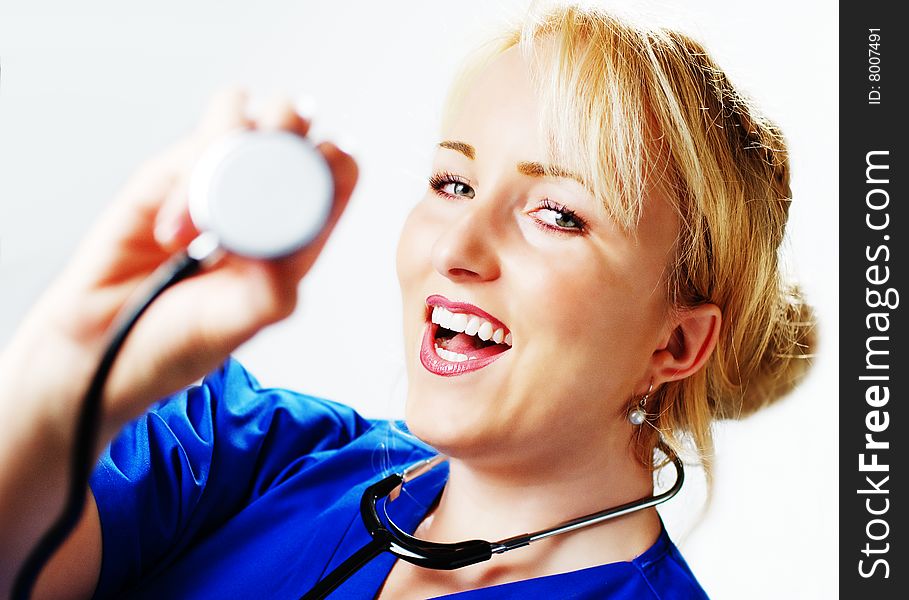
x: 439, y: 366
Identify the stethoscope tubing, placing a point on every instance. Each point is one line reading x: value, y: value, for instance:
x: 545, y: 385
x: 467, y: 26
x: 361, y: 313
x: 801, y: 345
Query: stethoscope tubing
x: 88, y: 424
x: 450, y: 556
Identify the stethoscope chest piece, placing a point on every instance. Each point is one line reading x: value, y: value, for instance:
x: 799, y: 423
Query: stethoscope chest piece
x: 264, y: 194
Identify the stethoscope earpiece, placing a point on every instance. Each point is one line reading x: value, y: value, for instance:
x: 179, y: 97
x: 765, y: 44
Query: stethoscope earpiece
x: 263, y: 194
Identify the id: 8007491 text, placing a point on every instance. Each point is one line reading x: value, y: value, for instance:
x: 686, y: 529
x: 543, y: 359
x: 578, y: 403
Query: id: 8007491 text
x: 874, y: 66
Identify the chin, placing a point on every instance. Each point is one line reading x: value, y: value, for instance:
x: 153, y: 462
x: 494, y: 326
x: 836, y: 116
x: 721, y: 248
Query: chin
x: 450, y: 427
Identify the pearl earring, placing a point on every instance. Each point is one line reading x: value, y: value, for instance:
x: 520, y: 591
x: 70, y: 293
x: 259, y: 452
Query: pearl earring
x: 637, y: 415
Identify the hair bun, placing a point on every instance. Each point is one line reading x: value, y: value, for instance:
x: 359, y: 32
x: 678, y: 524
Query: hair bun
x: 778, y: 360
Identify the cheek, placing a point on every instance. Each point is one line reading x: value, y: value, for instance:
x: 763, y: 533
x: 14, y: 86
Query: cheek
x: 413, y: 253
x: 583, y: 301
x: 414, y: 267
x: 404, y: 256
x: 601, y: 324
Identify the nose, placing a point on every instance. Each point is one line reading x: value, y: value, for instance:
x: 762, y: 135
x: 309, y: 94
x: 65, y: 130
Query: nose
x: 467, y: 249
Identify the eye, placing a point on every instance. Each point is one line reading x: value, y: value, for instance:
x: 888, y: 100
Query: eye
x: 555, y: 216
x: 452, y: 186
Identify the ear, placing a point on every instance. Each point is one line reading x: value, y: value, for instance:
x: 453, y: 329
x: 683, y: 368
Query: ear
x: 688, y: 344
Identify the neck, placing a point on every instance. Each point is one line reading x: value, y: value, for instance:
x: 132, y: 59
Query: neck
x: 495, y: 502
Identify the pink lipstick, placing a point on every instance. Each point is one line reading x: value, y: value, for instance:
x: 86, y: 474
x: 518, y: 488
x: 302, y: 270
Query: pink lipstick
x: 452, y: 347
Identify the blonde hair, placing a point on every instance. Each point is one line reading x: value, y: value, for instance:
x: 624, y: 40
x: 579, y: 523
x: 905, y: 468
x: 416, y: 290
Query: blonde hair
x: 634, y: 108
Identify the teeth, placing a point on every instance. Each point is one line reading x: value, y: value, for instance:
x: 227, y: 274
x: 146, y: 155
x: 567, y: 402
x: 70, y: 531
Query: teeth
x: 458, y: 322
x: 450, y: 356
x: 473, y: 325
x: 469, y: 324
x: 485, y: 331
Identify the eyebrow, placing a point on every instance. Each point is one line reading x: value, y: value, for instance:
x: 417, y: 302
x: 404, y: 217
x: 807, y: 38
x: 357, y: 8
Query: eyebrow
x: 465, y: 149
x: 530, y: 168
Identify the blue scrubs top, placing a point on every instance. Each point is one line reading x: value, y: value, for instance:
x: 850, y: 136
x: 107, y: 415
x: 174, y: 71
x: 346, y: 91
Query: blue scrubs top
x: 229, y: 490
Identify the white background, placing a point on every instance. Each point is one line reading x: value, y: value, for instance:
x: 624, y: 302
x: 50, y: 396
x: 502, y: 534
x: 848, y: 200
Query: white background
x: 91, y: 89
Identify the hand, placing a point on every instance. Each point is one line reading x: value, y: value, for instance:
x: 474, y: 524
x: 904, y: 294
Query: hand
x: 193, y: 326
x: 188, y: 331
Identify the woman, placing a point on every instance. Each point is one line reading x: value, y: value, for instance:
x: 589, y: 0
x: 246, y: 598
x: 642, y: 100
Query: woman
x: 592, y: 273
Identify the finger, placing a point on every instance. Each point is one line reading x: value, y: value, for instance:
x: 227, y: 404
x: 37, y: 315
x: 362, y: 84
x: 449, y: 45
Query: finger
x: 174, y: 227
x: 279, y: 113
x: 345, y: 172
x: 226, y: 112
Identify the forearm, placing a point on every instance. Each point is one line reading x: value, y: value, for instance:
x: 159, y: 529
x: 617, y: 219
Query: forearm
x: 43, y: 377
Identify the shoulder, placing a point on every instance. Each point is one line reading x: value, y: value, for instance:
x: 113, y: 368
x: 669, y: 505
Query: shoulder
x: 666, y: 572
x: 229, y: 428
x: 231, y: 402
x: 282, y: 425
x: 238, y: 390
x: 224, y: 469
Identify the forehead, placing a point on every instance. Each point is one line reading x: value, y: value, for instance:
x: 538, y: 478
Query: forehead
x: 500, y: 112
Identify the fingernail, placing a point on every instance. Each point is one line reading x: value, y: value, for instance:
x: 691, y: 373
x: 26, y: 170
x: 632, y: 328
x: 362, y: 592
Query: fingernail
x: 319, y: 132
x: 304, y: 105
x: 347, y: 144
x: 165, y: 232
x: 253, y: 109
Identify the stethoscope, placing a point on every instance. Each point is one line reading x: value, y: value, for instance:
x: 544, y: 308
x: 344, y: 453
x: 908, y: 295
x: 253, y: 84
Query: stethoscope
x: 434, y: 555
x: 265, y: 195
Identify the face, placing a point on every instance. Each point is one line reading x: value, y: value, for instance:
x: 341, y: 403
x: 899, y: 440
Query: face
x: 581, y: 303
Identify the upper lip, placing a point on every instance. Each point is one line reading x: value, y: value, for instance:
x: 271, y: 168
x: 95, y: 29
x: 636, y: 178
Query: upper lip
x: 464, y: 307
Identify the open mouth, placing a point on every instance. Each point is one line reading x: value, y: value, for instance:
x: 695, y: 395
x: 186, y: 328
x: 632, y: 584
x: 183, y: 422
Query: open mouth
x: 465, y: 336
x: 461, y: 337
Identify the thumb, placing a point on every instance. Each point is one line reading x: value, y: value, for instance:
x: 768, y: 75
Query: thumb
x: 174, y: 227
